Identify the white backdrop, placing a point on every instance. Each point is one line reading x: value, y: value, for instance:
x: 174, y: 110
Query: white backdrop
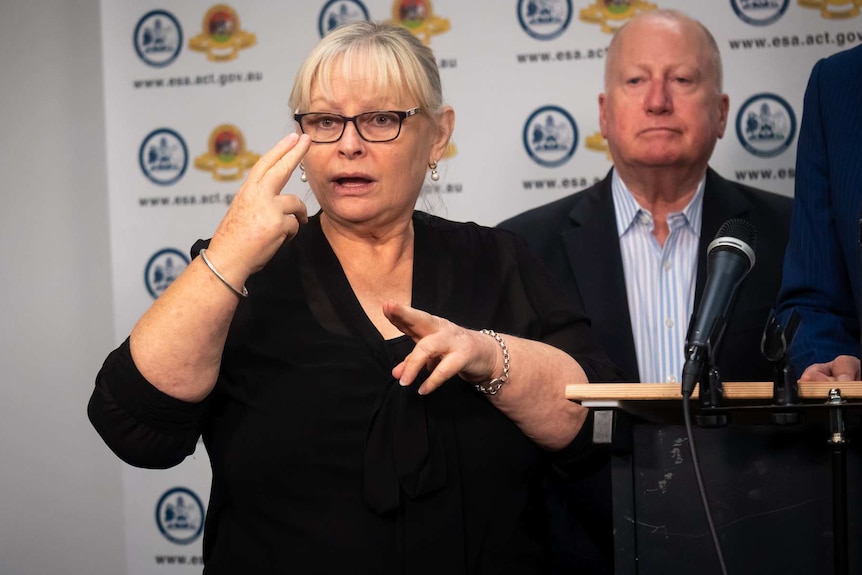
x: 61, y: 505
x: 198, y: 78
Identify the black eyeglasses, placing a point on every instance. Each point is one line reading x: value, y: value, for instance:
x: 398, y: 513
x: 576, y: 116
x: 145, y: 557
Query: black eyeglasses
x: 378, y: 126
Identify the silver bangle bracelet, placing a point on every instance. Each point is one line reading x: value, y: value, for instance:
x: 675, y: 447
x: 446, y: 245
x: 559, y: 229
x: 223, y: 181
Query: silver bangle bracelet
x: 493, y: 386
x: 243, y: 293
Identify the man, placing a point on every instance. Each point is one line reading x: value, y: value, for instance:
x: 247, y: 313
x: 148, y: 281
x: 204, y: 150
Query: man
x: 632, y: 248
x: 822, y: 267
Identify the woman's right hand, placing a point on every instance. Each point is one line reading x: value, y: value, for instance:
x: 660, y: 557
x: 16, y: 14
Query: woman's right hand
x: 260, y: 219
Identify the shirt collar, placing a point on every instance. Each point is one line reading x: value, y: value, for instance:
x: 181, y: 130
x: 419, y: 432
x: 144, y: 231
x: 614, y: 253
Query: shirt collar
x: 627, y: 209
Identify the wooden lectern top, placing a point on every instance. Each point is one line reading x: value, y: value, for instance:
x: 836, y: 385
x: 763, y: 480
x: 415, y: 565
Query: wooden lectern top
x: 811, y: 391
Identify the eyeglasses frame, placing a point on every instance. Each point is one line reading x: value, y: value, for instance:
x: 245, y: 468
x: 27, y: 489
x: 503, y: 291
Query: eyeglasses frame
x: 402, y: 115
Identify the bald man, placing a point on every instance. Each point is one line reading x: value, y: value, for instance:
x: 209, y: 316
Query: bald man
x: 632, y: 248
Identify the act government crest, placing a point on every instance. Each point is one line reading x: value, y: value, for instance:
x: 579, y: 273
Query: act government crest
x: 158, y: 38
x: 180, y: 515
x: 544, y: 19
x: 759, y: 12
x: 227, y: 157
x: 163, y: 156
x: 612, y: 14
x: 550, y: 136
x: 221, y: 37
x: 338, y: 12
x: 418, y: 17
x: 766, y: 125
x: 162, y: 269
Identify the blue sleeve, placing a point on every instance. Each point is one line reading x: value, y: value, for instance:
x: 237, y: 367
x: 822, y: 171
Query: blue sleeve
x: 816, y: 280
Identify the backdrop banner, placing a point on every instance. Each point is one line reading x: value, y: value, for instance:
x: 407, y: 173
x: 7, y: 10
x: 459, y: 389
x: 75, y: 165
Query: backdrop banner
x: 195, y: 92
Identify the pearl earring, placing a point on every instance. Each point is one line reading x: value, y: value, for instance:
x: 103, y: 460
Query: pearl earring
x: 302, y: 175
x: 435, y: 175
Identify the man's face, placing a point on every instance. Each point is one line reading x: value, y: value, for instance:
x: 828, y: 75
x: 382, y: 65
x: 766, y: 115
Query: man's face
x: 662, y: 106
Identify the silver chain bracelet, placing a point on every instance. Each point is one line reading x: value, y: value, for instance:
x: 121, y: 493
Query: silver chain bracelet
x: 493, y: 386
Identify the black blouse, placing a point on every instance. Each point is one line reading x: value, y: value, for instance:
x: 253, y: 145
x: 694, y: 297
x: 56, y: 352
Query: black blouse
x: 321, y: 462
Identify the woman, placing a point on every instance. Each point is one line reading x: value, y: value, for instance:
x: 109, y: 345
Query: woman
x: 332, y: 399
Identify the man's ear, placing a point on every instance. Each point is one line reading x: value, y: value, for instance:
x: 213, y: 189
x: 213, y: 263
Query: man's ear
x: 603, y: 120
x: 723, y: 107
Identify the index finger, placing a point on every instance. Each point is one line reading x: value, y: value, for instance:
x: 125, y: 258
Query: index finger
x: 412, y: 322
x: 278, y: 163
x: 278, y: 175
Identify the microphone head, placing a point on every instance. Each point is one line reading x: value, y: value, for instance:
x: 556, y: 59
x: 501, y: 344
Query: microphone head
x: 740, y: 229
x: 735, y: 235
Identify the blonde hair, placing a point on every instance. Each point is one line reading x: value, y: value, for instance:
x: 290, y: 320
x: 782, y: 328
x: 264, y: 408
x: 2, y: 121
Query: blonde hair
x: 387, y: 54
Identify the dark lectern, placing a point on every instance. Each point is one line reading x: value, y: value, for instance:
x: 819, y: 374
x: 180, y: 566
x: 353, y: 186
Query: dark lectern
x: 776, y: 492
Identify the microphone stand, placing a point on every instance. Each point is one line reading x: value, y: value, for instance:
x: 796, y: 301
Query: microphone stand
x: 711, y: 392
x: 785, y: 392
x: 785, y: 388
x: 710, y: 396
x: 837, y: 442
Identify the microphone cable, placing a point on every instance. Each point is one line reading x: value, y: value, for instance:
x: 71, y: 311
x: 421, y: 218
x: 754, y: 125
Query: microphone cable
x: 686, y: 411
x: 730, y: 256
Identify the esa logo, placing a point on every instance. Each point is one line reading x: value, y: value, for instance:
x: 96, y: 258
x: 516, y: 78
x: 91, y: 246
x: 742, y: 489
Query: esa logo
x: 338, y: 12
x: 162, y: 269
x: 612, y: 14
x: 834, y: 9
x: 180, y: 515
x: 158, y: 38
x: 226, y: 157
x: 418, y: 17
x: 765, y: 125
x: 221, y: 37
x: 544, y: 19
x: 550, y: 136
x: 163, y: 157
x: 759, y: 12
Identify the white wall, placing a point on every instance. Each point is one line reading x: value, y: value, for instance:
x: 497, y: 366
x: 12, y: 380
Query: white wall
x: 60, y: 491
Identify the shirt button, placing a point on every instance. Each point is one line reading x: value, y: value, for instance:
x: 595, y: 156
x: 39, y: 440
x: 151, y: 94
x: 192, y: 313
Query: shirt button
x: 666, y: 265
x: 671, y: 379
x: 644, y: 218
x: 668, y: 322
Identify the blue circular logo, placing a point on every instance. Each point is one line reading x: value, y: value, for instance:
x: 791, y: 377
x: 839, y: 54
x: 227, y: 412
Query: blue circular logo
x: 338, y: 12
x: 158, y: 38
x: 759, y: 12
x: 766, y: 125
x: 163, y: 157
x: 544, y: 19
x: 550, y: 136
x: 180, y: 516
x: 162, y: 269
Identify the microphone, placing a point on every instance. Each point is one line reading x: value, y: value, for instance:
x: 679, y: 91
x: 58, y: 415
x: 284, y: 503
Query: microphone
x: 730, y: 256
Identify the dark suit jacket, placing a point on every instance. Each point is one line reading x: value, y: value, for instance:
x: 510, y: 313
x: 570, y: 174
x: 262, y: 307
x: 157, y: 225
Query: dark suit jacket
x: 822, y: 278
x: 577, y: 238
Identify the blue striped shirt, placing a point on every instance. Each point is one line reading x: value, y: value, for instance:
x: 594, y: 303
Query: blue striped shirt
x: 660, y: 280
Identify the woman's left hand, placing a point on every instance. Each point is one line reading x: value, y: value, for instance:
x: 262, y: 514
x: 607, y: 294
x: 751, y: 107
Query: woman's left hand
x: 535, y: 397
x: 443, y: 348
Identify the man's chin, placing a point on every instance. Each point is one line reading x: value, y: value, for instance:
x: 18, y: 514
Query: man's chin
x: 660, y: 159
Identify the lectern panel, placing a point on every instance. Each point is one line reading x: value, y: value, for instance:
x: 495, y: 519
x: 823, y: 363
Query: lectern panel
x: 770, y: 491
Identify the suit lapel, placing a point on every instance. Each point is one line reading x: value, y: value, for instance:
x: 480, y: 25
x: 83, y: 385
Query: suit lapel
x: 593, y: 249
